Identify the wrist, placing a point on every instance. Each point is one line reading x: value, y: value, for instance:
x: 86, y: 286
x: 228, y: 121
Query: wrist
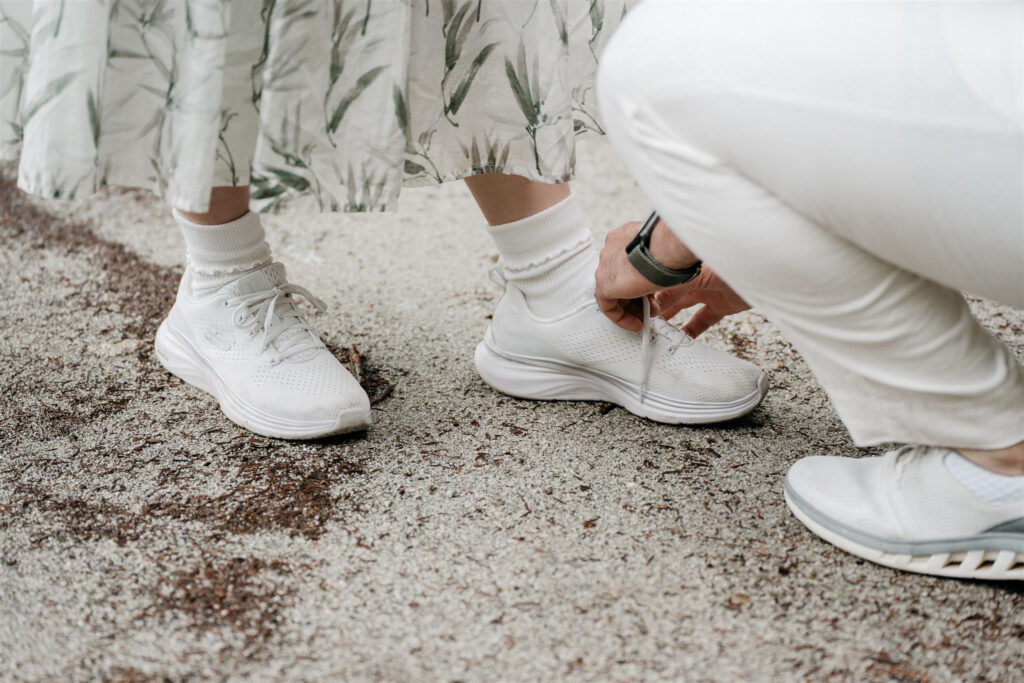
x: 668, y: 250
x: 653, y: 268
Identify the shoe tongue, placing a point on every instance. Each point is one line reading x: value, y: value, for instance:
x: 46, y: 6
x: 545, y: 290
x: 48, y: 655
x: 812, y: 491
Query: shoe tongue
x: 260, y: 280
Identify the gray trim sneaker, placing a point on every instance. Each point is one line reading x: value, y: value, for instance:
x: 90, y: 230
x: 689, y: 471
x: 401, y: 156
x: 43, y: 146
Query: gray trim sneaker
x: 905, y: 510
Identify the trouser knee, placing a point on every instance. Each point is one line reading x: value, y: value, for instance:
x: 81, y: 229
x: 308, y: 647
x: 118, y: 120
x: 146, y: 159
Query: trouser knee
x: 623, y: 75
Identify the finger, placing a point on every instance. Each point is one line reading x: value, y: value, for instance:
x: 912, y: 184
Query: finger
x: 618, y: 314
x: 672, y: 301
x: 635, y: 309
x: 699, y: 323
x: 655, y: 307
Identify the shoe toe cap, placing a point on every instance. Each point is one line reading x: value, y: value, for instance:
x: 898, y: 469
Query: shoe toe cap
x: 314, y: 390
x: 715, y: 378
x: 842, y: 492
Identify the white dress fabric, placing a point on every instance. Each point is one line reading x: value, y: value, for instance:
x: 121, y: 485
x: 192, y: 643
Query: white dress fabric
x: 320, y: 105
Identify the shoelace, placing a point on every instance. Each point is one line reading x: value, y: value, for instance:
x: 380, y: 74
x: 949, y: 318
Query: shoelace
x: 497, y: 274
x: 905, y: 455
x: 652, y: 329
x: 268, y: 304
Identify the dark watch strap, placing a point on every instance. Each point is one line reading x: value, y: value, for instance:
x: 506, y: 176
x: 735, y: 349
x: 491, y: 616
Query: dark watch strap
x: 658, y: 274
x: 640, y: 256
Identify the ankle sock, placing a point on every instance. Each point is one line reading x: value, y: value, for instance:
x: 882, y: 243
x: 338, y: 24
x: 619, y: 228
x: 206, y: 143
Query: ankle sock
x: 550, y: 256
x: 989, y: 486
x: 219, y: 254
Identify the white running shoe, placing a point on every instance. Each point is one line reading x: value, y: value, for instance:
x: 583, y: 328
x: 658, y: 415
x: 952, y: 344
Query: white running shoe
x: 905, y: 510
x: 251, y: 348
x: 661, y: 374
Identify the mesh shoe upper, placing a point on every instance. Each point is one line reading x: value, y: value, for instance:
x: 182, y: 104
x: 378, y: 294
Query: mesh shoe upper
x: 257, y: 341
x: 680, y: 368
x: 904, y: 495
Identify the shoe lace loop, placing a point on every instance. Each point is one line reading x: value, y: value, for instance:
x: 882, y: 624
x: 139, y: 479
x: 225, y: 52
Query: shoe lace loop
x: 652, y: 329
x: 279, y: 315
x: 497, y: 274
x: 904, y: 456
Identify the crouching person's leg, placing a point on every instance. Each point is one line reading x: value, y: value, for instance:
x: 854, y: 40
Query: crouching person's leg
x: 795, y: 151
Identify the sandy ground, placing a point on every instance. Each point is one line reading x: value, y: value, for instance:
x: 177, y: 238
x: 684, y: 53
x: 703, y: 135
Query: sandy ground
x: 467, y: 536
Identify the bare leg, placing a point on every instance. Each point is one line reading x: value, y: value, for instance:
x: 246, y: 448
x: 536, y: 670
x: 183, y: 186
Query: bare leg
x: 1008, y: 461
x: 226, y: 204
x: 507, y: 198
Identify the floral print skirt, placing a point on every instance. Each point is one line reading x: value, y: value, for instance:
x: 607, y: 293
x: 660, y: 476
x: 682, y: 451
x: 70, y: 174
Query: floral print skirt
x: 319, y: 105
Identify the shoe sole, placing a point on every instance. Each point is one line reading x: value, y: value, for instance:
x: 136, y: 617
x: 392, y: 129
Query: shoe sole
x: 994, y: 564
x: 182, y: 360
x: 549, y: 380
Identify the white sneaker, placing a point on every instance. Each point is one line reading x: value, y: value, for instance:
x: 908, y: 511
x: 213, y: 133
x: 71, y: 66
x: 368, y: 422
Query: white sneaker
x: 583, y: 356
x: 250, y: 347
x: 905, y: 510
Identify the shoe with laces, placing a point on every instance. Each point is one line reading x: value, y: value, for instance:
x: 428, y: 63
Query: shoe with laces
x: 661, y: 373
x: 907, y: 511
x: 251, y: 348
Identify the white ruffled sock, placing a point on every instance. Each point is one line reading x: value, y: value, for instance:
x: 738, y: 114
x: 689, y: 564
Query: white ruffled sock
x: 219, y: 254
x: 550, y: 256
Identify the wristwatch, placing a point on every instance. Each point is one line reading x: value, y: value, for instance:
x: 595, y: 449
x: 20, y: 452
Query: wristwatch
x: 639, y: 253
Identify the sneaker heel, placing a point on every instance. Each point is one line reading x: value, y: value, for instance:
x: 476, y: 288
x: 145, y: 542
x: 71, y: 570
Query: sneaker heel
x: 175, y: 358
x: 528, y: 381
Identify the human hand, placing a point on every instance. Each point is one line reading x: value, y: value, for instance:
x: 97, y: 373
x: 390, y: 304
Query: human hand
x: 620, y: 287
x: 707, y: 288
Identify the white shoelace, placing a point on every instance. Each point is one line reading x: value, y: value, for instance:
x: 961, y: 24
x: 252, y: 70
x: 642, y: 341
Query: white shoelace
x: 904, y: 455
x: 652, y: 329
x: 278, y: 313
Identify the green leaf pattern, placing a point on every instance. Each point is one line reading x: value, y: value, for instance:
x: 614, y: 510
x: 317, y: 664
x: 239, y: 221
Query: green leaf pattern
x: 319, y: 105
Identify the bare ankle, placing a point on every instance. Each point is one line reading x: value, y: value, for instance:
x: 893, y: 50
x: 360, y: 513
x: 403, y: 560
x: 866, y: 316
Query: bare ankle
x: 226, y: 204
x: 1008, y: 461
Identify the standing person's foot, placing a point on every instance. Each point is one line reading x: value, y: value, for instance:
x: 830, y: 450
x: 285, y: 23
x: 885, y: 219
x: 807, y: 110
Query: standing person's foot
x: 249, y: 346
x: 919, y: 509
x: 580, y: 355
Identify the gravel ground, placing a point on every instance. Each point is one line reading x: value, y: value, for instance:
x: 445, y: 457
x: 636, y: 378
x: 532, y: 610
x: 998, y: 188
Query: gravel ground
x: 467, y: 536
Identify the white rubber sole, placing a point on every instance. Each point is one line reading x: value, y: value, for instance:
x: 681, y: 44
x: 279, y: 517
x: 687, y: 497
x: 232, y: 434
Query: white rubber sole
x: 993, y: 565
x: 181, y: 359
x: 548, y: 380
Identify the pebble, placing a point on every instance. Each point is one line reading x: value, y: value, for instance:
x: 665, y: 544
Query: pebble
x: 125, y: 347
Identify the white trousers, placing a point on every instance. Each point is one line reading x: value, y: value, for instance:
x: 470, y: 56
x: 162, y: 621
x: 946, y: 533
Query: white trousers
x: 848, y: 168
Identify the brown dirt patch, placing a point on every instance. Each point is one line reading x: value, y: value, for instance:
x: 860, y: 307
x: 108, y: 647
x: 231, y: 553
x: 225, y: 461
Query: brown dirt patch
x: 370, y: 377
x: 80, y: 520
x: 240, y: 594
x: 270, y: 491
x: 144, y: 291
